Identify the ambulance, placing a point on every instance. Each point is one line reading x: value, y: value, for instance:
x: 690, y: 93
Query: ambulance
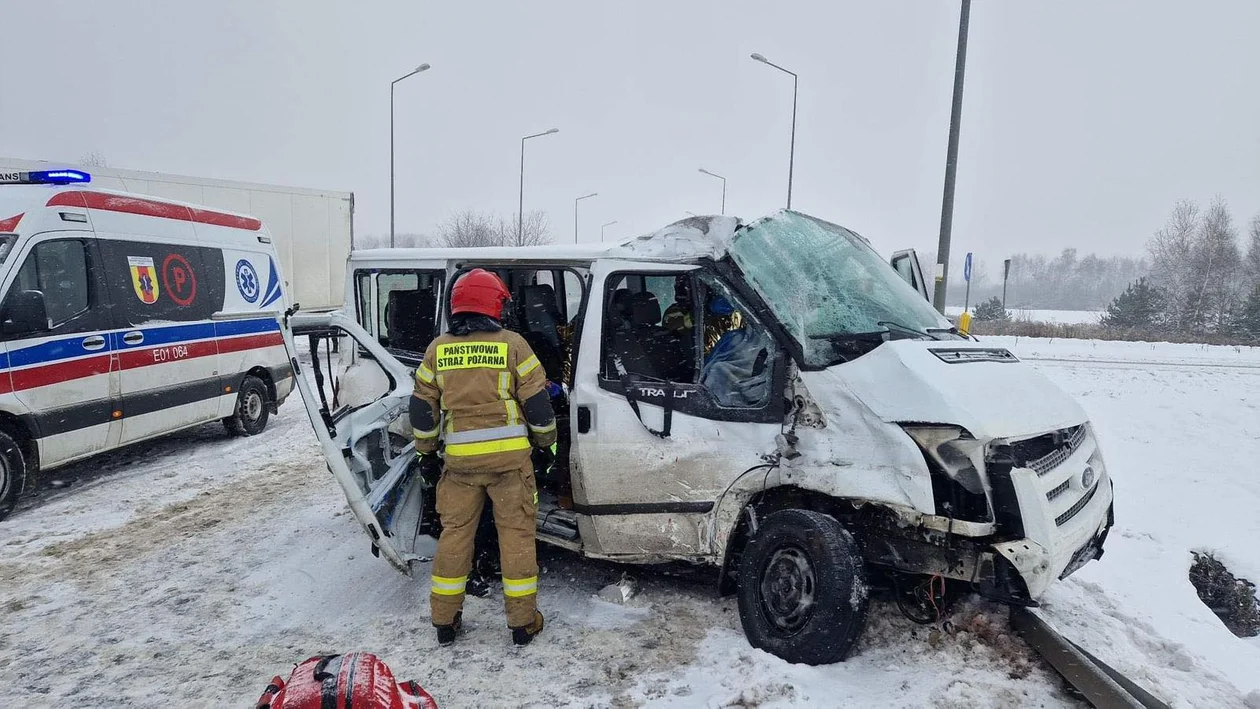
x: 123, y: 318
x: 770, y: 398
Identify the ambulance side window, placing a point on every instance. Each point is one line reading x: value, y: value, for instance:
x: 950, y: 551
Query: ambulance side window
x: 59, y: 270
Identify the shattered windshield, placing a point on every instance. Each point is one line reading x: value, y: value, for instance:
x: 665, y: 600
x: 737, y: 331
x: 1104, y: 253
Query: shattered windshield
x: 829, y: 288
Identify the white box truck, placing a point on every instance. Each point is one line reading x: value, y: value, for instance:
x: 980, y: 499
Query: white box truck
x: 312, y: 229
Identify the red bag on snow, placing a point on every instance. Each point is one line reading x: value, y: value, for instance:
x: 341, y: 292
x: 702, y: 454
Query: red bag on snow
x: 358, y: 680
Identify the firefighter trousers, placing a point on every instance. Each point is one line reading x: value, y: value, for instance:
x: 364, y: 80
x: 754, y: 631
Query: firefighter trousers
x: 514, y: 500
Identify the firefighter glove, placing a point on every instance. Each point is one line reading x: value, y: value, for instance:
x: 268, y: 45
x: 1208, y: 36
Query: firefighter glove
x: 430, y: 468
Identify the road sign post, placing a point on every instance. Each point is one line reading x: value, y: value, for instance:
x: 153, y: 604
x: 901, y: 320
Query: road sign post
x: 967, y: 278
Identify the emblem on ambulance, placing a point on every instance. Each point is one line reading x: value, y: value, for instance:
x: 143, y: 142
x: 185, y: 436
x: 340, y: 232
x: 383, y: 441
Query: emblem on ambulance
x: 247, y: 281
x: 144, y: 278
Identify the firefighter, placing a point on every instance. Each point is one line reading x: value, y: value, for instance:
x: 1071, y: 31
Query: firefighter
x: 480, y: 395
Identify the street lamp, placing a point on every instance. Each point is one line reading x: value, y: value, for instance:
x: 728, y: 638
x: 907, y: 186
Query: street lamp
x: 520, y: 215
x: 575, y: 206
x: 723, y: 179
x: 605, y: 226
x: 792, y: 150
x: 392, y: 84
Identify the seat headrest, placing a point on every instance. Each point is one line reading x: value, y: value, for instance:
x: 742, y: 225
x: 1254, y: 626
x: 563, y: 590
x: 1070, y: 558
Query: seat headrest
x: 621, y: 302
x: 645, y: 309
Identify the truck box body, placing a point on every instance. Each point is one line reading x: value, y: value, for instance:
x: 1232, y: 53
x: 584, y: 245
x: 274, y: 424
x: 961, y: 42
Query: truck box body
x: 312, y: 229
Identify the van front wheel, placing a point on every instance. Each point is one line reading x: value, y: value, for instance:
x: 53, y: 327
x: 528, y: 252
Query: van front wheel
x: 802, y: 588
x: 252, y: 412
x: 12, y: 473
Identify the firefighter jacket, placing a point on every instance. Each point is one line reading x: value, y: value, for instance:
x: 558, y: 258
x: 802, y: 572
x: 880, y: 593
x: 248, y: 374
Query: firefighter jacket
x: 490, y: 390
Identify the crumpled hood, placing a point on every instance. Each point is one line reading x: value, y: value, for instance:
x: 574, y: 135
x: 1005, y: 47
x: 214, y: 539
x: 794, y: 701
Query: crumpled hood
x: 904, y: 381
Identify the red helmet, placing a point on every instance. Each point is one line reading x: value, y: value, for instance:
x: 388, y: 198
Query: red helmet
x: 479, y: 291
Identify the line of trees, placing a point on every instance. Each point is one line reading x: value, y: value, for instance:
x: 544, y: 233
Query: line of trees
x: 469, y: 228
x: 1202, y: 281
x: 1068, y: 281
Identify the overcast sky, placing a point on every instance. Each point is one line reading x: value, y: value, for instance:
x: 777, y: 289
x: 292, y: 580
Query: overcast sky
x: 1083, y: 122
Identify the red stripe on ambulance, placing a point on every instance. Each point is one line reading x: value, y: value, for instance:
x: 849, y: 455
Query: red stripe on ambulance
x: 151, y: 208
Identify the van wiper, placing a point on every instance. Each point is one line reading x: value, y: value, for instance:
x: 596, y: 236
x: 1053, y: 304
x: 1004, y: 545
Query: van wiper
x: 904, y: 328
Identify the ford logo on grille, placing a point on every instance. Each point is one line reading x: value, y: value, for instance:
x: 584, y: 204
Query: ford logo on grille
x: 1087, y: 477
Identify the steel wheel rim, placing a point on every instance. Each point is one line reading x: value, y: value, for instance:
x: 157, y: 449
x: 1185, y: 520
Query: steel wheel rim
x: 5, y: 477
x: 788, y: 589
x: 253, y: 406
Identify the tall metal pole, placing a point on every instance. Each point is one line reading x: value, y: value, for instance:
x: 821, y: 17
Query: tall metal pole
x: 605, y: 226
x: 392, y: 84
x: 792, y: 149
x: 575, y: 213
x: 520, y: 212
x: 951, y: 162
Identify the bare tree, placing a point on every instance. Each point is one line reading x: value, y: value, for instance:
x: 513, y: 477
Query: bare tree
x: 470, y: 228
x: 1171, y: 248
x: 94, y: 159
x: 1216, y: 268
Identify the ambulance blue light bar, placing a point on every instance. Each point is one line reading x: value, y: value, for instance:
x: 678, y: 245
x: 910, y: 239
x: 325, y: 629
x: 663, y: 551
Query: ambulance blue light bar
x: 45, y: 177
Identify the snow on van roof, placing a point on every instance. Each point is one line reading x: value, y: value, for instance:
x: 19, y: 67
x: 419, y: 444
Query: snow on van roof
x: 687, y: 240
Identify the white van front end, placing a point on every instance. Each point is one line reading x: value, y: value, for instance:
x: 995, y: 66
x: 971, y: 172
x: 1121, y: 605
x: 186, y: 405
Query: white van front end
x: 1008, y: 459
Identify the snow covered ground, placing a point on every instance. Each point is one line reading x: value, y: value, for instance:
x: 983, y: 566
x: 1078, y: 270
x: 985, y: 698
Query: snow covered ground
x: 189, y: 571
x: 1061, y: 317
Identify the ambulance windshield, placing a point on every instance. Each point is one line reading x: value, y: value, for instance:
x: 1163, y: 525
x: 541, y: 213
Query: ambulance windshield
x: 835, y: 295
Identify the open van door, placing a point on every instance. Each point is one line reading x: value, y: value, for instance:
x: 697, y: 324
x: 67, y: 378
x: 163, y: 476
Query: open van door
x: 377, y: 471
x: 907, y: 266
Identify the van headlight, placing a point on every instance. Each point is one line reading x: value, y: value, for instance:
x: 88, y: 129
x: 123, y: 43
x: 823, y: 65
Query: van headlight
x: 954, y: 450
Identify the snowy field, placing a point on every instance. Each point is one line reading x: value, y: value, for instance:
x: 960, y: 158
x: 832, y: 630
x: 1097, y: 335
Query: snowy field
x: 188, y: 572
x: 1060, y: 317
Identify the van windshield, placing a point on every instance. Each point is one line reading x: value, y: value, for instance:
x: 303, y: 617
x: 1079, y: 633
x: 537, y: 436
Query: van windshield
x: 832, y: 292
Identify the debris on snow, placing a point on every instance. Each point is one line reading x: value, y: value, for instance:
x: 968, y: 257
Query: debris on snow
x: 1232, y: 599
x: 620, y: 592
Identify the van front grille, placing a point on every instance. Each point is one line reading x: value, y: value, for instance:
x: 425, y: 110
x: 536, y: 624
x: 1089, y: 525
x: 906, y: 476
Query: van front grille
x: 1076, y: 509
x: 1045, y: 453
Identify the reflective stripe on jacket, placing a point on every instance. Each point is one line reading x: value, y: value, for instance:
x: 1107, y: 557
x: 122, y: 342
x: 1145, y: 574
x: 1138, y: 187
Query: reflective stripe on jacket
x: 488, y: 387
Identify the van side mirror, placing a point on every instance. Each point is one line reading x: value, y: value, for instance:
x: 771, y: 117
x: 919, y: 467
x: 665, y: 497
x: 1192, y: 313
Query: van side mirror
x: 26, y: 312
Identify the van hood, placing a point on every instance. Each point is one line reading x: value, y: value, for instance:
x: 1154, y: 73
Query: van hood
x: 986, y: 390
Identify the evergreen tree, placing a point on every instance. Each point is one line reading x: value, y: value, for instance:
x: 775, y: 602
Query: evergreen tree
x: 991, y: 310
x: 1248, y: 320
x: 1139, y: 307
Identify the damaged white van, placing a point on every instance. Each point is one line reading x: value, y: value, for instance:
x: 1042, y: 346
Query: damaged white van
x: 770, y: 398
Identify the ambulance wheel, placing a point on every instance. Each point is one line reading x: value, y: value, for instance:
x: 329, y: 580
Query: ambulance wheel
x: 12, y: 474
x: 802, y: 588
x: 251, y: 409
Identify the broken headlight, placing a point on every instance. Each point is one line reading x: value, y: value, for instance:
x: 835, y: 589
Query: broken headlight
x: 954, y: 451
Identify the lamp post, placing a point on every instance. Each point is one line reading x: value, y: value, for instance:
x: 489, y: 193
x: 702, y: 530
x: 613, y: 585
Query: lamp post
x: 575, y: 213
x: 603, y: 227
x: 792, y: 150
x: 723, y: 179
x: 392, y: 84
x: 520, y: 214
x: 951, y: 161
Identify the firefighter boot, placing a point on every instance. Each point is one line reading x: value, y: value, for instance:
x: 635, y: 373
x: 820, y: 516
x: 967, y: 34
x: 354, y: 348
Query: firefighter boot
x: 525, y: 635
x: 446, y: 633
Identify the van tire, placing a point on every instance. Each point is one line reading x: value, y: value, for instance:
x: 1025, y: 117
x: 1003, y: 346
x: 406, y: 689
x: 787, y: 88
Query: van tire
x: 252, y: 409
x: 12, y: 473
x: 802, y: 588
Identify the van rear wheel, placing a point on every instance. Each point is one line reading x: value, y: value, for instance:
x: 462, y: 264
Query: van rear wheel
x: 12, y: 474
x: 252, y: 411
x: 802, y: 588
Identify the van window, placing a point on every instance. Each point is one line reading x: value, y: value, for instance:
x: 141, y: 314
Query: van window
x: 58, y: 269
x: 545, y: 303
x: 704, y: 339
x: 399, y: 307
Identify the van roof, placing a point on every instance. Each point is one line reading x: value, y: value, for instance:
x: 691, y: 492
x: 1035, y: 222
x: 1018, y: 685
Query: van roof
x: 690, y: 239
